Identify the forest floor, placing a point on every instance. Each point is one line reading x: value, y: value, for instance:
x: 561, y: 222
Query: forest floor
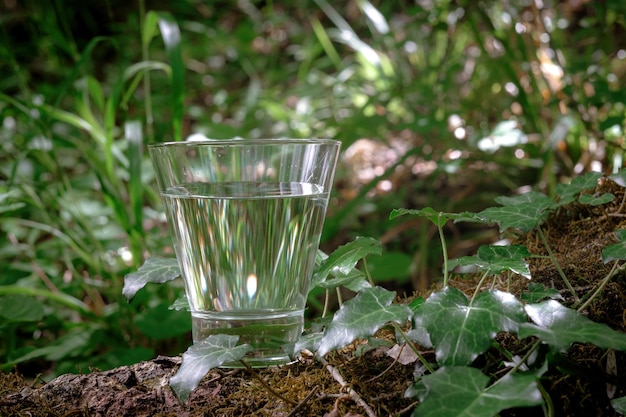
x: 364, y: 382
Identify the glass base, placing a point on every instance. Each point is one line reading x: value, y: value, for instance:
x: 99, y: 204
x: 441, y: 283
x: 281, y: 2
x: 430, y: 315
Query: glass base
x: 272, y: 334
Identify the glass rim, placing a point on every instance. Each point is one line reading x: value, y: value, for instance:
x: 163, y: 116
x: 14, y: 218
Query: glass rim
x: 244, y: 142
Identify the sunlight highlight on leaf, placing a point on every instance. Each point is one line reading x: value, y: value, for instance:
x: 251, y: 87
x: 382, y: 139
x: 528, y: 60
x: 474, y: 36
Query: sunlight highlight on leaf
x: 461, y: 331
x: 362, y: 316
x: 559, y: 327
x: 202, y: 357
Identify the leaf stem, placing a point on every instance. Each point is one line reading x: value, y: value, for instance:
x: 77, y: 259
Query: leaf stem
x: 326, y: 302
x: 339, y: 297
x: 367, y: 273
x: 614, y: 270
x: 548, y: 409
x: 558, y: 267
x: 480, y: 284
x: 444, y: 250
x: 413, y: 348
x: 524, y: 358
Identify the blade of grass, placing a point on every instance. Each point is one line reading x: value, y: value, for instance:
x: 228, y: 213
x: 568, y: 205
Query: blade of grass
x: 134, y: 135
x: 170, y: 33
x: 87, y: 257
x: 58, y: 297
x: 326, y: 43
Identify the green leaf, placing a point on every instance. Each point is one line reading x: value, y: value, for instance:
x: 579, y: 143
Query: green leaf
x: 438, y: 218
x: 202, y: 357
x: 345, y: 258
x: 531, y: 197
x: 418, y: 333
x: 160, y: 322
x: 537, y: 292
x: 170, y: 33
x: 461, y: 330
x: 416, y: 303
x: 616, y: 251
x: 155, y: 269
x: 568, y: 192
x: 310, y: 342
x: 121, y: 356
x: 75, y: 343
x: 497, y: 259
x: 463, y: 392
x: 362, y: 316
x: 619, y: 178
x: 619, y: 405
x: 525, y: 212
x: 24, y: 354
x: 392, y: 266
x: 559, y: 327
x: 354, y: 281
x: 20, y: 308
x: 181, y: 303
x: 596, y: 200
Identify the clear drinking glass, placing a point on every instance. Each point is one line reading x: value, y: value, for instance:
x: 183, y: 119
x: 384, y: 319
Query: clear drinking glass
x: 246, y: 217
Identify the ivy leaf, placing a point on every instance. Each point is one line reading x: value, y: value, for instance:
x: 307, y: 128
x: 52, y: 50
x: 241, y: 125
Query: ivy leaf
x: 568, y: 192
x: 497, y: 259
x: 460, y: 391
x: 559, y: 327
x: 203, y: 356
x: 537, y: 292
x: 531, y: 197
x: 355, y: 281
x: 524, y: 212
x: 619, y: 404
x: 460, y: 330
x: 619, y: 178
x: 308, y: 342
x: 616, y: 251
x: 345, y: 258
x: 362, y: 316
x: 593, y: 200
x: 155, y: 269
x: 438, y: 218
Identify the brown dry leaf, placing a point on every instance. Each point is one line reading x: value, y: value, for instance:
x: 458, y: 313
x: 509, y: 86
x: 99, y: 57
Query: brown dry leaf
x: 403, y: 354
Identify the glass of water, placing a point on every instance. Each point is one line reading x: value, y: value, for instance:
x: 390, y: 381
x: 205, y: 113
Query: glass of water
x: 246, y: 217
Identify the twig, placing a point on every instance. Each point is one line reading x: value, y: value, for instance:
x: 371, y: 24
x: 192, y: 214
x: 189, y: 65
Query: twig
x: 395, y: 360
x: 408, y: 409
x: 301, y: 403
x: 266, y: 386
x: 354, y: 396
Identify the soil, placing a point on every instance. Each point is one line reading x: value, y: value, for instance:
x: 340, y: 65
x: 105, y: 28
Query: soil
x: 371, y: 383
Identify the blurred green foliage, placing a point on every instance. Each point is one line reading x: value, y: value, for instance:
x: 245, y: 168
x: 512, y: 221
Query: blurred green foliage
x: 438, y: 103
